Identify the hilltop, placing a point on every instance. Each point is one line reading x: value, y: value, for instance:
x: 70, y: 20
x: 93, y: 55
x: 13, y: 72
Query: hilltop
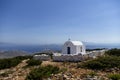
x: 26, y: 68
x: 12, y: 53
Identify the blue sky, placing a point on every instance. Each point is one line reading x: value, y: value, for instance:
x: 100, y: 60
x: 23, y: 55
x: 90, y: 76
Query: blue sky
x: 54, y: 21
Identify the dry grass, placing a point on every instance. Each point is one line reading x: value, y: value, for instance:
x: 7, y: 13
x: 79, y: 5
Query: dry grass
x: 20, y: 73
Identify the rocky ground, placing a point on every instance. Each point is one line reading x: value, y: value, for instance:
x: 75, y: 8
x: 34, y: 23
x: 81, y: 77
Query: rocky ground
x: 69, y: 71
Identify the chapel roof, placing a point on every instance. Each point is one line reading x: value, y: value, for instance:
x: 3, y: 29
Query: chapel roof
x: 77, y: 42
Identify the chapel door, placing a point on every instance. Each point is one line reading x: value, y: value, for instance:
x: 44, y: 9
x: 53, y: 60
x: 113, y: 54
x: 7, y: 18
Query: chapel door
x: 68, y: 50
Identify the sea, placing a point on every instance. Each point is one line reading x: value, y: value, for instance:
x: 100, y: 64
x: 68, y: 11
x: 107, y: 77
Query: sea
x: 39, y: 48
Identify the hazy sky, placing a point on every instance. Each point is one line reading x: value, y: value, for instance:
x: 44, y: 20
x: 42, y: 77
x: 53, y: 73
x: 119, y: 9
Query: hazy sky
x: 54, y: 21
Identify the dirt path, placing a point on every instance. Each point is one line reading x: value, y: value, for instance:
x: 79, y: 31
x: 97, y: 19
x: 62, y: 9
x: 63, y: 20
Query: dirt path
x: 44, y: 63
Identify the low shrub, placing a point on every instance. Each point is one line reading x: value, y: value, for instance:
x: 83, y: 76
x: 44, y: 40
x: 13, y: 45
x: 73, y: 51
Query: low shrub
x: 101, y: 63
x: 113, y: 52
x: 114, y: 76
x: 93, y: 65
x: 42, y: 72
x: 63, y: 70
x: 95, y: 49
x: 24, y: 57
x: 92, y: 74
x: 7, y: 63
x: 11, y: 62
x: 33, y: 62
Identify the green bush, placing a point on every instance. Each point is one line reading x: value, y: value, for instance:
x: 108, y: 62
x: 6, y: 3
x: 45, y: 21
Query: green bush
x: 114, y: 76
x: 42, y: 72
x: 95, y: 49
x: 7, y: 63
x: 24, y: 57
x: 33, y: 62
x: 113, y: 52
x: 92, y: 74
x: 11, y: 62
x: 94, y: 65
x: 101, y: 63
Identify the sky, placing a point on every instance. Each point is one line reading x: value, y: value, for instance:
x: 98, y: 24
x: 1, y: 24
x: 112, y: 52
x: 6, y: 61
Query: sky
x: 55, y: 21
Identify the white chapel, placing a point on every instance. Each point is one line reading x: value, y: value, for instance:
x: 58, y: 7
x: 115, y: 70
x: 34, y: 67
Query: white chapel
x: 73, y: 48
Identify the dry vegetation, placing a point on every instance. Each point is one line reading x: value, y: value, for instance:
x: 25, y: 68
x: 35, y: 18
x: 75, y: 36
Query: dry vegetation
x: 60, y: 71
x: 69, y: 71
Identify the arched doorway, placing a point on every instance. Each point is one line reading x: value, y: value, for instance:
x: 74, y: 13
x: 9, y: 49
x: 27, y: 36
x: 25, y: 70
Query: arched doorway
x: 68, y: 50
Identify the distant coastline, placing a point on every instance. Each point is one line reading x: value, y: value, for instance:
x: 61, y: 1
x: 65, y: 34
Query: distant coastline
x: 54, y: 47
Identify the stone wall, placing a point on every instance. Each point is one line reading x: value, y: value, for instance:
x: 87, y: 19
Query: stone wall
x: 70, y: 58
x: 65, y: 58
x: 42, y: 58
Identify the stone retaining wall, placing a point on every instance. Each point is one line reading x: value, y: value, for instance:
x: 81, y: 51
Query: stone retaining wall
x: 65, y: 58
x: 75, y: 58
x: 42, y: 58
